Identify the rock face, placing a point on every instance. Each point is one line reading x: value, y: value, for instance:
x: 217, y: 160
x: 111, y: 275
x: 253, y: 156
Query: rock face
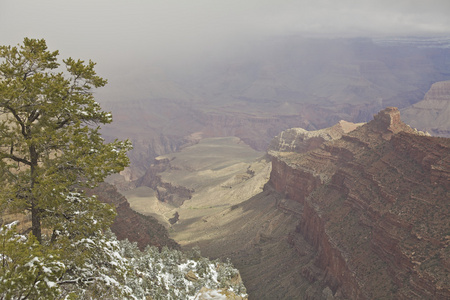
x: 165, y: 191
x: 144, y: 230
x: 375, y: 206
x: 301, y: 140
x: 432, y: 114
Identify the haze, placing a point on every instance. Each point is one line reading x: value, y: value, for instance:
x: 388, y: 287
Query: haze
x: 121, y: 35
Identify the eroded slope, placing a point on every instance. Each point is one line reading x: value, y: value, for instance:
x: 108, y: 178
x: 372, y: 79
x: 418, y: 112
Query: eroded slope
x: 376, y: 206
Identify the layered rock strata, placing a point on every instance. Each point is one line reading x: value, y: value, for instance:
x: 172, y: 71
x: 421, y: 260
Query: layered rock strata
x: 301, y: 140
x: 432, y: 114
x: 375, y: 207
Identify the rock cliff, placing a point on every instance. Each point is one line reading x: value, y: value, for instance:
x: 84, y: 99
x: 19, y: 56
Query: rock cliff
x: 144, y: 230
x: 375, y: 206
x: 301, y: 140
x: 165, y: 191
x: 432, y: 114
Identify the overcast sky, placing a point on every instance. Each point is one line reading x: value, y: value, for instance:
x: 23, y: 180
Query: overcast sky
x: 122, y: 31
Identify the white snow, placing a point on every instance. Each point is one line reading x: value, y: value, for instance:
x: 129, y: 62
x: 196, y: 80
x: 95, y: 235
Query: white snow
x: 211, y: 295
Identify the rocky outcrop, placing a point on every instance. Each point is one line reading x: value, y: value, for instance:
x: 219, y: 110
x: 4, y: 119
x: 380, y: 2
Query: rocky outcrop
x: 165, y: 191
x: 128, y: 224
x: 432, y: 114
x: 301, y: 140
x: 375, y: 208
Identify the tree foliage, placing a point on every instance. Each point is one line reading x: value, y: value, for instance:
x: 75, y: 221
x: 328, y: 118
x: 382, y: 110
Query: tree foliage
x: 50, y: 150
x: 46, y: 144
x: 27, y: 270
x: 172, y: 274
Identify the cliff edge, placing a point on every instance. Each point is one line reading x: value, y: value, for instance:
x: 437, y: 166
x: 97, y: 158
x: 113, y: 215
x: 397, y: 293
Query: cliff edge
x: 301, y: 140
x: 375, y: 206
x: 131, y: 225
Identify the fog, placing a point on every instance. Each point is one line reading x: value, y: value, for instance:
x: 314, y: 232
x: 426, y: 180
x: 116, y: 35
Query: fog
x: 122, y: 35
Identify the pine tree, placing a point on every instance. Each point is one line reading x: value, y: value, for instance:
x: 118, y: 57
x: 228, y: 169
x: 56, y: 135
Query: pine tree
x: 45, y: 140
x: 51, y: 149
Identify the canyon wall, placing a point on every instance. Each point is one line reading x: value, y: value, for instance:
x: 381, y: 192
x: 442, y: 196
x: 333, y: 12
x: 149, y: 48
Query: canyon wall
x: 432, y: 114
x: 375, y: 208
x: 128, y: 224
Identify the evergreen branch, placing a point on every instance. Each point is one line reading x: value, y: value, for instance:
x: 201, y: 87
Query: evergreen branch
x: 62, y: 123
x: 17, y: 117
x: 15, y: 158
x: 77, y: 281
x: 34, y: 116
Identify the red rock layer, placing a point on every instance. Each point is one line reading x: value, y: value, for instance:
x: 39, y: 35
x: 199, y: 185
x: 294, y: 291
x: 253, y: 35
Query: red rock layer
x: 375, y: 207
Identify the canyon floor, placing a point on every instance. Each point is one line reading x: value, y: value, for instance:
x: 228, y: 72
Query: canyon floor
x: 215, y: 170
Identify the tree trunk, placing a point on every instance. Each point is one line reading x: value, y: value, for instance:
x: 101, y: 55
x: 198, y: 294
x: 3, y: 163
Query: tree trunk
x: 35, y: 211
x: 36, y: 222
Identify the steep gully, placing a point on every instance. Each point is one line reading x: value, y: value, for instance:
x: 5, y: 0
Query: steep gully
x: 142, y: 229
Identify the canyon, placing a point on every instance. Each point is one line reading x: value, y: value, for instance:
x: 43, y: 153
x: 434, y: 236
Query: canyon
x: 354, y: 211
x: 328, y: 209
x: 265, y: 88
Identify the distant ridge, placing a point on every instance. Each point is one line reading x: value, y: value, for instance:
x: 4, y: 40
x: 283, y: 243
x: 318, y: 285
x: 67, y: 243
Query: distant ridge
x: 432, y: 114
x: 420, y: 42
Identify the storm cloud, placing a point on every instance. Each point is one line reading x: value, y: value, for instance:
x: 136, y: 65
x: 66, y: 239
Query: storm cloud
x: 133, y: 41
x: 170, y: 30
